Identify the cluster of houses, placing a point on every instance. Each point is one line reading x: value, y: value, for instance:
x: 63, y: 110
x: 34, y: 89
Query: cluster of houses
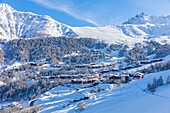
x: 151, y: 61
x: 107, y: 73
x: 109, y: 78
x: 104, y: 73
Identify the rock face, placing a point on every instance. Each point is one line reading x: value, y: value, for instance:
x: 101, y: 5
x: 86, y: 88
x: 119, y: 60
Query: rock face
x: 16, y: 24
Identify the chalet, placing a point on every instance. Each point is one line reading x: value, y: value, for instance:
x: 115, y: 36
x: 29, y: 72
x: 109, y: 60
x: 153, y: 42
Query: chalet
x: 123, y: 72
x: 115, y: 78
x: 82, y: 81
x: 105, y: 71
x: 96, y: 76
x: 106, y: 76
x: 138, y: 75
x: 157, y: 60
x: 151, y: 61
x: 125, y: 79
x: 128, y: 67
x: 80, y: 66
x: 16, y: 68
x: 115, y: 70
x: 96, y: 83
x: 33, y: 64
x: 92, y: 64
x: 135, y: 63
x: 42, y: 63
x: 95, y: 67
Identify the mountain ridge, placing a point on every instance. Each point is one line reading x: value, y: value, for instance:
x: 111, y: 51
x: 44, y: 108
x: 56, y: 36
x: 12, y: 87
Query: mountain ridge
x: 146, y: 19
x: 16, y: 24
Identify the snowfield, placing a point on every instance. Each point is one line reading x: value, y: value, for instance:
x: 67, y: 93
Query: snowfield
x: 110, y: 34
x: 127, y: 98
x: 133, y: 99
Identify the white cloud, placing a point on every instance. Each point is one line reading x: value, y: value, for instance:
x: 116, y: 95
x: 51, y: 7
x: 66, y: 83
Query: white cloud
x: 102, y: 12
x: 70, y: 8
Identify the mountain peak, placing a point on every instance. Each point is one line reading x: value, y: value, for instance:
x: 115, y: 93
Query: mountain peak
x: 145, y: 19
x: 17, y: 24
x: 6, y: 8
x: 141, y: 18
x: 141, y: 15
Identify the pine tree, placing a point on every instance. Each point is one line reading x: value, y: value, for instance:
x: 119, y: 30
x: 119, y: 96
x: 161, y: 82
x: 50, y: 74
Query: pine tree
x: 149, y: 86
x: 154, y: 84
x: 168, y: 80
x: 160, y: 81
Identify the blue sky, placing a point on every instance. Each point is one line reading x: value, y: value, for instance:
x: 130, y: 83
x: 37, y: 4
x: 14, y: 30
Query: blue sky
x: 91, y: 12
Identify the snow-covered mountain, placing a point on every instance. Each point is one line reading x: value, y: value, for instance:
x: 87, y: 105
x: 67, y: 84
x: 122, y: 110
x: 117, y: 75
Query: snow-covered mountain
x: 143, y: 24
x: 144, y: 19
x: 16, y: 24
x: 136, y: 29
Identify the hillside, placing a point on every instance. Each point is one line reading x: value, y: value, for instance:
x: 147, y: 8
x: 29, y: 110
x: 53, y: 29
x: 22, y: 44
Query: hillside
x: 133, y: 99
x: 129, y: 98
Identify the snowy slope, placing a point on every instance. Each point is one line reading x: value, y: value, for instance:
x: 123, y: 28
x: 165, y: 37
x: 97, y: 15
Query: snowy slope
x: 110, y: 34
x: 147, y: 29
x: 14, y: 24
x: 132, y: 99
x: 140, y: 26
x: 127, y: 98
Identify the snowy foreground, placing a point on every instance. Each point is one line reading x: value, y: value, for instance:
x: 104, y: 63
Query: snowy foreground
x: 127, y: 98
